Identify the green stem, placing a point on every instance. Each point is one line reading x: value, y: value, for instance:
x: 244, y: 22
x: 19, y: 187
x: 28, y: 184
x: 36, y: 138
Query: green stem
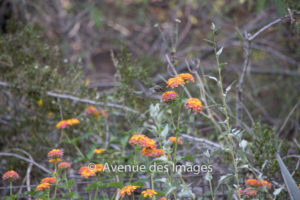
x: 152, y: 185
x: 10, y: 187
x: 66, y: 180
x: 55, y: 175
x: 75, y: 145
x: 227, y: 116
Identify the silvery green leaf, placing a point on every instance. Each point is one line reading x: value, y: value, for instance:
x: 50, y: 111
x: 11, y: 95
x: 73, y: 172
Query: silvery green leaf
x: 220, y: 51
x: 263, y: 166
x: 213, y: 27
x: 223, y: 178
x: 165, y: 131
x: 213, y: 78
x: 163, y: 180
x: 243, y: 144
x: 208, y: 176
x: 207, y: 154
x: 290, y: 183
x: 277, y: 191
x: 170, y: 190
x: 244, y: 166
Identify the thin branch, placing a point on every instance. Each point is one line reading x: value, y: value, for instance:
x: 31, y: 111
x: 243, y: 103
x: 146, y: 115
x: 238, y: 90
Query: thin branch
x: 27, y: 160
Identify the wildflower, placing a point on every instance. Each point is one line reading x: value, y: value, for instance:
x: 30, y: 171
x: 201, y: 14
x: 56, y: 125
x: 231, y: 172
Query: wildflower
x: 55, y: 160
x: 40, y: 102
x: 299, y: 186
x: 175, y: 82
x: 10, y: 175
x: 99, y: 168
x: 86, y: 172
x: 67, y: 123
x: 152, y: 152
x: 50, y: 180
x: 98, y: 151
x: 193, y: 104
x: 186, y: 77
x: 143, y: 141
x: 258, y: 183
x: 149, y: 193
x: 173, y: 140
x: 91, y: 110
x: 104, y: 113
x: 248, y: 192
x: 43, y: 186
x: 128, y: 190
x: 167, y: 96
x: 162, y: 198
x: 64, y: 165
x: 55, y: 154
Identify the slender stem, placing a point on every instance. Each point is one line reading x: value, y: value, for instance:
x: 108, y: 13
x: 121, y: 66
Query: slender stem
x: 10, y: 187
x: 66, y: 180
x: 75, y: 145
x: 152, y: 185
x: 227, y: 116
x: 55, y: 175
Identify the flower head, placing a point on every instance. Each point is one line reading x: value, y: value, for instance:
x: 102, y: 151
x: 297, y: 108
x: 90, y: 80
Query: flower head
x: 167, y: 96
x: 98, y: 151
x: 194, y: 104
x: 258, y: 183
x: 91, y: 110
x: 128, y: 190
x: 149, y: 193
x: 162, y: 198
x: 86, y: 172
x: 186, y: 77
x: 10, y: 175
x: 67, y: 123
x: 43, y: 186
x: 173, y: 140
x: 64, y: 165
x: 50, y: 180
x: 175, y: 82
x: 142, y: 140
x: 55, y: 153
x: 152, y: 152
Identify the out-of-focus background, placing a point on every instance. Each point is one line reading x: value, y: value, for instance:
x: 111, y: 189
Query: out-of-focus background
x: 115, y: 51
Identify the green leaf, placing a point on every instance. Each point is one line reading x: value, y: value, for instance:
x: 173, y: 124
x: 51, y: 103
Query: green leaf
x: 280, y: 7
x: 290, y: 183
x: 96, y: 17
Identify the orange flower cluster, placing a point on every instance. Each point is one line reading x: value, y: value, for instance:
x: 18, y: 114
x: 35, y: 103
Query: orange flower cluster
x: 98, y: 151
x: 128, y: 190
x: 91, y: 110
x: 162, y: 198
x: 64, y: 165
x: 152, y: 152
x: 194, y: 104
x: 55, y: 155
x: 67, y: 123
x: 99, y: 167
x: 180, y: 79
x: 149, y: 193
x: 168, y: 96
x: 258, y: 183
x: 149, y: 145
x: 86, y: 172
x: 43, y: 186
x: 173, y: 140
x: 142, y: 141
x: 10, y: 175
x: 50, y: 180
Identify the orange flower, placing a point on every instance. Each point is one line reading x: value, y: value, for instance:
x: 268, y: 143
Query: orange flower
x: 152, y: 152
x: 91, y: 110
x: 50, y: 180
x: 64, y: 165
x: 128, y: 190
x: 149, y: 193
x: 167, y: 96
x: 193, y: 104
x: 55, y: 160
x: 186, y: 77
x: 67, y: 123
x: 98, y: 151
x: 86, y: 172
x: 248, y: 192
x: 175, y: 82
x: 162, y: 198
x: 173, y: 140
x: 142, y: 140
x: 10, y: 175
x: 299, y: 186
x: 258, y: 183
x: 43, y: 186
x: 99, y: 167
